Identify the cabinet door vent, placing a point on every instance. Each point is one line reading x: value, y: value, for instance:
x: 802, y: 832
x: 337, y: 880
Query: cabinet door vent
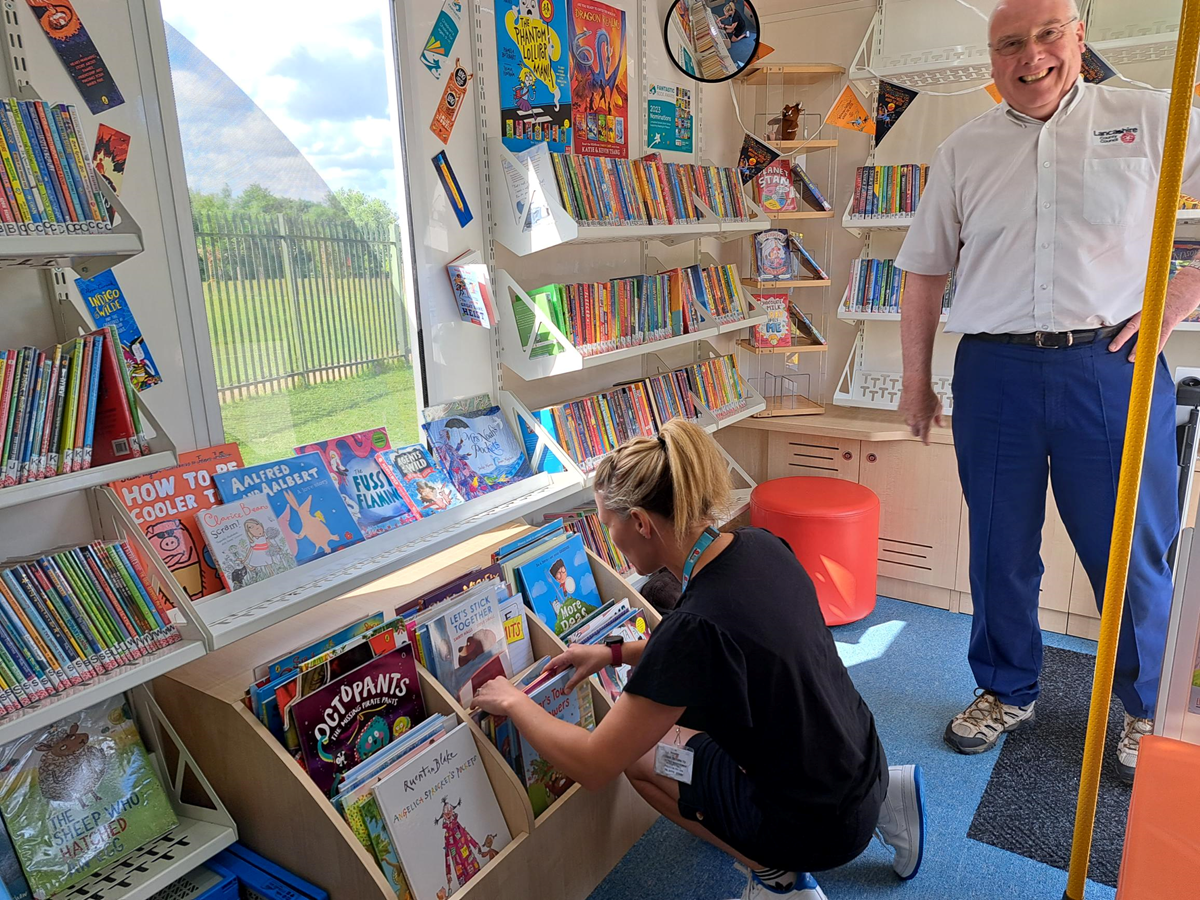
x: 816, y: 457
x: 905, y: 553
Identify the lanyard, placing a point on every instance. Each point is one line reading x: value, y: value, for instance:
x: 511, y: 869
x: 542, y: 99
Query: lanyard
x: 709, y: 535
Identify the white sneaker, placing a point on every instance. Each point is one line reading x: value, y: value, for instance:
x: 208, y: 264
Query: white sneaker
x: 978, y: 728
x: 1128, y: 746
x: 805, y: 888
x: 902, y: 819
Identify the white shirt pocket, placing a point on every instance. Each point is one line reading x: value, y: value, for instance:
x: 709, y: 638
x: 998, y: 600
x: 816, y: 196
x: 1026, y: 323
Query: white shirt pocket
x: 1110, y: 184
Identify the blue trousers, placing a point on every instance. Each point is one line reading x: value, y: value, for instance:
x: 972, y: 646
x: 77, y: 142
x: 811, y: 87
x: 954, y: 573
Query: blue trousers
x: 1022, y: 414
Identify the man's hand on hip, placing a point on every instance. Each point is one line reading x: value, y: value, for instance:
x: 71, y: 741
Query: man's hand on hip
x: 1183, y: 295
x: 921, y: 408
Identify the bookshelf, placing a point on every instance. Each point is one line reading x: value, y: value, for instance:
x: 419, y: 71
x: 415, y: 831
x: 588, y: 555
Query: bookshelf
x: 517, y: 357
x: 807, y: 146
x: 561, y: 228
x: 791, y: 348
x: 579, y: 839
x: 786, y: 285
x: 788, y: 216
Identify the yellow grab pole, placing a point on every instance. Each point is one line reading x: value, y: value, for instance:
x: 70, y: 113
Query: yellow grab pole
x: 1165, y: 213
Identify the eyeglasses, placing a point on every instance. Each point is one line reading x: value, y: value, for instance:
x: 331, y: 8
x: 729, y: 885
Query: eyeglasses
x: 1049, y: 35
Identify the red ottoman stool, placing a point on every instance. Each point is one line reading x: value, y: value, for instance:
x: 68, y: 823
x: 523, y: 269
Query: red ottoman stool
x: 833, y: 528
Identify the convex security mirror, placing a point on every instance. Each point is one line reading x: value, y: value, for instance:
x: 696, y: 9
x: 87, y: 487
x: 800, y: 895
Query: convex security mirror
x: 711, y: 40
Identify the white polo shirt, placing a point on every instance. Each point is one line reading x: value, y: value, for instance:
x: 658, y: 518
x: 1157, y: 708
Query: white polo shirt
x: 1048, y: 222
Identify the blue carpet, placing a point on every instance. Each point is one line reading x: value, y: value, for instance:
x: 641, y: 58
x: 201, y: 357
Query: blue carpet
x: 909, y: 663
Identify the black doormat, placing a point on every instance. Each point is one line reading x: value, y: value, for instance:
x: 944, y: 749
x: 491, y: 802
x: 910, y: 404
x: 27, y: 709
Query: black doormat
x: 1028, y: 806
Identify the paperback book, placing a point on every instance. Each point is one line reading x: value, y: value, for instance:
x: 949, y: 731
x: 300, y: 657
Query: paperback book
x: 772, y: 255
x: 368, y: 493
x: 559, y: 585
x: 310, y: 510
x: 426, y: 489
x: 775, y: 332
x: 443, y: 817
x: 79, y: 795
x: 357, y: 715
x: 245, y: 541
x: 544, y: 783
x: 472, y: 290
x: 478, y: 450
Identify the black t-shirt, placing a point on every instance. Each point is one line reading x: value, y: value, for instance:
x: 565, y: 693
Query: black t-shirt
x: 739, y: 25
x: 748, y: 653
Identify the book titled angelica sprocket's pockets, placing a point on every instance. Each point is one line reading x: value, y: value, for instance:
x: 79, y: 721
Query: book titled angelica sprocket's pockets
x: 79, y: 795
x: 477, y: 448
x: 311, y: 513
x: 357, y: 715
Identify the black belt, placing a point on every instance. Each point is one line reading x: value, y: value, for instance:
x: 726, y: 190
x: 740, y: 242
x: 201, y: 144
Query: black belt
x: 1053, y: 340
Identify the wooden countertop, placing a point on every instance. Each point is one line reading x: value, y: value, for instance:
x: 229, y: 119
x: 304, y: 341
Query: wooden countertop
x: 850, y: 423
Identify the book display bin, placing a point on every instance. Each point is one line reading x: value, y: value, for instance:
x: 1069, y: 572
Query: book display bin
x: 561, y: 855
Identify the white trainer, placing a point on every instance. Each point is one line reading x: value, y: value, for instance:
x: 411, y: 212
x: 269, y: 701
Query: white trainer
x: 805, y: 888
x: 1130, y: 743
x: 902, y: 819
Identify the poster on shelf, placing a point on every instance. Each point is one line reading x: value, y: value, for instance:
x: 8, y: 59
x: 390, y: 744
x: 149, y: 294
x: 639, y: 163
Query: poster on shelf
x: 849, y: 112
x: 75, y: 48
x: 891, y: 104
x: 534, y: 77
x: 454, y: 193
x: 669, y: 120
x: 599, y: 79
x: 452, y: 101
x: 442, y: 37
x: 108, y: 306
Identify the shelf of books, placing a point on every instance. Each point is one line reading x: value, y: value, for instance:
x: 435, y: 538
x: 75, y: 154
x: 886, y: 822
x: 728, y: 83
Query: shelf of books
x: 751, y: 347
x: 875, y: 291
x: 568, y: 327
x: 510, y: 818
x: 553, y: 200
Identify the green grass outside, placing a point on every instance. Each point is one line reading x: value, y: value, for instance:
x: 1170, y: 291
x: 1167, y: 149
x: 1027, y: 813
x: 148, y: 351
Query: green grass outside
x: 269, y: 426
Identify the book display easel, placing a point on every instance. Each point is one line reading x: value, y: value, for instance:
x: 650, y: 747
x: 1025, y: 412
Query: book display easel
x: 564, y: 852
x: 774, y: 100
x: 63, y: 233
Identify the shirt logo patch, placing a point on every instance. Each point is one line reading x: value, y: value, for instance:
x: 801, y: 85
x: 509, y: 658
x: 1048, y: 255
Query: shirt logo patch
x: 1126, y: 135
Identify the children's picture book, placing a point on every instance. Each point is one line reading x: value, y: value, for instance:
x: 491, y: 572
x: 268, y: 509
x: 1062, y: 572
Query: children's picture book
x: 465, y: 636
x: 478, y: 450
x: 559, y: 585
x: 107, y: 304
x: 110, y: 154
x: 245, y: 541
x: 544, y: 783
x: 774, y: 183
x: 367, y: 492
x: 80, y: 794
x: 599, y: 79
x: 775, y: 331
x: 226, y: 456
x: 442, y: 816
x: 472, y: 290
x: 807, y: 189
x: 357, y: 715
x: 418, y: 479
x: 772, y: 255
x: 310, y: 510
x: 533, y: 62
x: 13, y: 885
x: 164, y: 506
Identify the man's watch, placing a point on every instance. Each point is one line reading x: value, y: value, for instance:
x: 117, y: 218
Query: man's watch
x: 615, y: 642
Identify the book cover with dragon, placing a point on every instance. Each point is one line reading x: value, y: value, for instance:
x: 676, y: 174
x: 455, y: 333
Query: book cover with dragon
x: 310, y: 510
x: 357, y: 715
x: 599, y: 79
x: 368, y: 493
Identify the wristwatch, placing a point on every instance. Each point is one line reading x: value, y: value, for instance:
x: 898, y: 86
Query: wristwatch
x: 614, y: 642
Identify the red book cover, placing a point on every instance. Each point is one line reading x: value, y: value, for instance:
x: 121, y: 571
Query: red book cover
x: 115, y: 436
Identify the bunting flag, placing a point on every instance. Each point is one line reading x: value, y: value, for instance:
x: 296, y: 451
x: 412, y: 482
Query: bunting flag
x: 848, y: 112
x: 764, y: 49
x: 893, y: 100
x: 993, y: 91
x: 1095, y: 68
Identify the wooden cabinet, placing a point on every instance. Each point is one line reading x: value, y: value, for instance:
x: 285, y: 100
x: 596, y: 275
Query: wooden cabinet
x: 919, y: 502
x: 791, y: 454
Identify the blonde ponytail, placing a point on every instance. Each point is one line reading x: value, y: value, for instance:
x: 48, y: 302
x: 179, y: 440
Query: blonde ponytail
x: 680, y: 475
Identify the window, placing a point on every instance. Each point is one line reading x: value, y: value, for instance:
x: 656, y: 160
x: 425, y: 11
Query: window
x: 290, y: 139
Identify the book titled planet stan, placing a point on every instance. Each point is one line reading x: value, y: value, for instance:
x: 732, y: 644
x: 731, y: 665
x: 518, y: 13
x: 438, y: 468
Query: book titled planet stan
x: 80, y: 794
x: 311, y: 513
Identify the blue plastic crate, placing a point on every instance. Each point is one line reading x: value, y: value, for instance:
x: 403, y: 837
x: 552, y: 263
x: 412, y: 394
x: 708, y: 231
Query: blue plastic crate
x: 202, y: 883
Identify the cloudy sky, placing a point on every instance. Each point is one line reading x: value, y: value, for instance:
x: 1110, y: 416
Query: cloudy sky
x: 315, y: 69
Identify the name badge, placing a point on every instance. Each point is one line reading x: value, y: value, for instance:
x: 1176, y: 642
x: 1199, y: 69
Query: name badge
x: 674, y: 761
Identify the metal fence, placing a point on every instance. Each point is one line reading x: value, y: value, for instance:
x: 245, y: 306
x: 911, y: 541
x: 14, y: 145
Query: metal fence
x: 298, y: 301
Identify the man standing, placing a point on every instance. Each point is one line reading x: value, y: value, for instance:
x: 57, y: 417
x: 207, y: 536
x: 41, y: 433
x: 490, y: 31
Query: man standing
x: 1045, y: 205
